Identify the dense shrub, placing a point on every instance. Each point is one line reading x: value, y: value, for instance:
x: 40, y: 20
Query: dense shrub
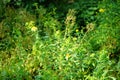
x: 40, y: 41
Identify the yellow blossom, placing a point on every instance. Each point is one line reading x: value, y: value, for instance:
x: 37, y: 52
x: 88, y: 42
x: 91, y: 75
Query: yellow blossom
x: 34, y: 29
x: 77, y: 30
x: 101, y: 10
x: 67, y: 56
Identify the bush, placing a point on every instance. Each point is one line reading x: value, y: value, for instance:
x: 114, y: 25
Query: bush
x: 44, y: 45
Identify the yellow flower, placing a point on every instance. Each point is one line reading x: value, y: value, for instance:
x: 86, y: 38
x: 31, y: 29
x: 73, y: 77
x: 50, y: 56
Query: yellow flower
x: 34, y: 29
x: 77, y: 30
x: 67, y: 56
x: 101, y: 10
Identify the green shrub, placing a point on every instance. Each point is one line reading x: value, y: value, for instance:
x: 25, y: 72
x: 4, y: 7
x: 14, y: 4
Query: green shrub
x: 41, y: 46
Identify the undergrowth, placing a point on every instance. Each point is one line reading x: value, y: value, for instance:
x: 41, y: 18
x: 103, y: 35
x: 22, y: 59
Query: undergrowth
x: 44, y: 48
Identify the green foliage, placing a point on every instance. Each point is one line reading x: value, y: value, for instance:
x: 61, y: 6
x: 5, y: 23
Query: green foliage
x: 45, y: 45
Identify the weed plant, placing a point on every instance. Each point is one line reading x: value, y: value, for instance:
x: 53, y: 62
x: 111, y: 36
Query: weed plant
x: 40, y: 49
